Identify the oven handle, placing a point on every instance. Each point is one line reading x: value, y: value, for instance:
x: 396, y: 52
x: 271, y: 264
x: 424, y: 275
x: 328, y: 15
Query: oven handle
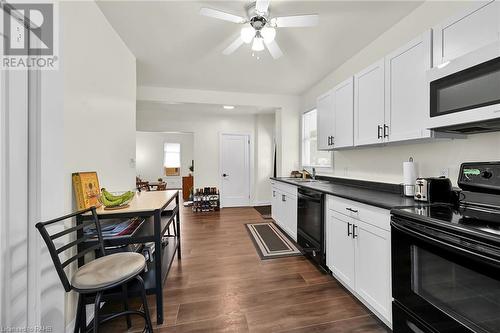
x: 441, y: 243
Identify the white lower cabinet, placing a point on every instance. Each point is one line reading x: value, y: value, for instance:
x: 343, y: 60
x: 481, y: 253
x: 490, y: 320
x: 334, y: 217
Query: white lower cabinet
x: 359, y: 253
x: 289, y: 205
x: 340, y: 248
x: 373, y: 269
x: 284, y: 207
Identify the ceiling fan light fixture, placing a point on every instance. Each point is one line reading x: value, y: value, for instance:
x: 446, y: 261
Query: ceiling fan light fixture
x: 247, y: 34
x: 258, y: 44
x: 268, y: 34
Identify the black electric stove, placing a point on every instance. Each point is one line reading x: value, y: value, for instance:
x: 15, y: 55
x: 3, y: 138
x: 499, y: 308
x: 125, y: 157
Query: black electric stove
x: 476, y: 221
x: 446, y: 258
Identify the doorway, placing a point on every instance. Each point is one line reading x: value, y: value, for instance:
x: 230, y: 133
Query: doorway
x: 234, y: 170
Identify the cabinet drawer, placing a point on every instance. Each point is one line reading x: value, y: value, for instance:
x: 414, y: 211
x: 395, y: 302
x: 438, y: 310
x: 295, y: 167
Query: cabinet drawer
x: 378, y: 217
x: 285, y: 188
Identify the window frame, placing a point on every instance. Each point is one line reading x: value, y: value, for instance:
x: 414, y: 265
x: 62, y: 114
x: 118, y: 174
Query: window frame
x: 321, y: 168
x: 165, y: 167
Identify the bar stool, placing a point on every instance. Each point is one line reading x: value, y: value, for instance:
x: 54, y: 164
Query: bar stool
x: 97, y: 276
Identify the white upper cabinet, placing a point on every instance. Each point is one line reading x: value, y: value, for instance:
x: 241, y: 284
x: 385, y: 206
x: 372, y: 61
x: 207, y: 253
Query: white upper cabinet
x: 369, y: 105
x: 469, y: 31
x: 406, y: 90
x: 343, y: 106
x: 325, y: 119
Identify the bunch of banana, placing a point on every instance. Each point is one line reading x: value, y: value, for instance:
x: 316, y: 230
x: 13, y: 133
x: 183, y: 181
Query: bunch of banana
x: 111, y: 200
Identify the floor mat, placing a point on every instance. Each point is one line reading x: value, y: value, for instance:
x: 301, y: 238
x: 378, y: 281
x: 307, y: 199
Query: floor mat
x: 270, y: 242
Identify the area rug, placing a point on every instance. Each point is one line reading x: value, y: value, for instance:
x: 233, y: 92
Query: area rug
x: 270, y: 242
x: 264, y: 211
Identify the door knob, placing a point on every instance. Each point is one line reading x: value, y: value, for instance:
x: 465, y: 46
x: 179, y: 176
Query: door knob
x: 224, y: 175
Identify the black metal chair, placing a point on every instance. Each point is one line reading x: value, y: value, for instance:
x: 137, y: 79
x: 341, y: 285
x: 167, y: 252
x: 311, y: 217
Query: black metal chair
x: 97, y: 276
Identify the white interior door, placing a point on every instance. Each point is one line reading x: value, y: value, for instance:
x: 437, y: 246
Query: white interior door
x: 235, y: 170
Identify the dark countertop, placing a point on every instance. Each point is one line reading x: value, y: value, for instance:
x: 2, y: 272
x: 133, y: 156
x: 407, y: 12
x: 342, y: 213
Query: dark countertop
x: 374, y: 194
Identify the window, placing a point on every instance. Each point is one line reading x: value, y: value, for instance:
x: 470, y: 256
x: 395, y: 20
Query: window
x: 311, y: 157
x: 172, y: 159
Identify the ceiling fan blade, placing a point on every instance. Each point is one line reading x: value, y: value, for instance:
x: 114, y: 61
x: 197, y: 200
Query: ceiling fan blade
x: 274, y: 49
x: 221, y: 15
x: 310, y: 20
x: 233, y: 46
x: 262, y: 6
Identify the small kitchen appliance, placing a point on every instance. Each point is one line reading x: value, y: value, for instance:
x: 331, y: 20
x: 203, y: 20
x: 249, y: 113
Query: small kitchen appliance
x: 464, y: 94
x: 446, y: 258
x: 433, y: 189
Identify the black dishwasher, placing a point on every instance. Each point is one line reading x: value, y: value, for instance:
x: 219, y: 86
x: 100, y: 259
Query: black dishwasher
x: 311, y: 225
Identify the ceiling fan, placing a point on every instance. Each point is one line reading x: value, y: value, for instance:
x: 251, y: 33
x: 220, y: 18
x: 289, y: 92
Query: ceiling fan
x: 259, y: 27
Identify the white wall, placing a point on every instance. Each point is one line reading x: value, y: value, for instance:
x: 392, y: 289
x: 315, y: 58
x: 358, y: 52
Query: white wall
x: 149, y: 153
x: 287, y: 116
x: 206, y: 130
x: 99, y: 98
x: 385, y: 163
x: 264, y: 143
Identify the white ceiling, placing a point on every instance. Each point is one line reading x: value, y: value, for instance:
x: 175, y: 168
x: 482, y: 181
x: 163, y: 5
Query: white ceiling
x: 175, y: 47
x: 200, y: 109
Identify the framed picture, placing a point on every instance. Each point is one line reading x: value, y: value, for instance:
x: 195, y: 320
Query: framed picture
x: 87, y: 189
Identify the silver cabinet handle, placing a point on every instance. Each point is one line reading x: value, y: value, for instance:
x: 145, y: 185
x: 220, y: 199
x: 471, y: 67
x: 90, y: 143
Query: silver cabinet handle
x: 352, y: 210
x: 283, y: 197
x: 274, y: 194
x: 348, y: 229
x: 354, y: 231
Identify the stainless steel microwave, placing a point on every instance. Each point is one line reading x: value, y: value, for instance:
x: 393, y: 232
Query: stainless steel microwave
x: 465, y: 93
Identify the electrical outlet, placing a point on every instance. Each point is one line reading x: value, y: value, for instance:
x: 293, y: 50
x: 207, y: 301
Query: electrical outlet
x: 445, y: 172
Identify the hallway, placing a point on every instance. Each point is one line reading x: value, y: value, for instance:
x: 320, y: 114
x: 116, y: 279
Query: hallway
x: 221, y: 285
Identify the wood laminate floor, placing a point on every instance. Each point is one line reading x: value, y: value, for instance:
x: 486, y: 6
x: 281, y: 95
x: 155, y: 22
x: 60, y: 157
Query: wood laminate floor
x: 221, y: 285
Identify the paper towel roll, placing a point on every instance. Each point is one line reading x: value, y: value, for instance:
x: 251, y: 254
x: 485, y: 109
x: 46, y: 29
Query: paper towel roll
x: 409, y: 177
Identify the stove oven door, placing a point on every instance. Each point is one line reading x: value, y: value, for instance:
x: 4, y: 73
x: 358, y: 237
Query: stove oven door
x: 444, y: 282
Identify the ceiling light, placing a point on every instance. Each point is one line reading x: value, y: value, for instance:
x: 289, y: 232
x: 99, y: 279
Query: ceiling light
x: 443, y: 65
x: 258, y: 44
x: 268, y: 34
x: 247, y: 34
x: 228, y: 107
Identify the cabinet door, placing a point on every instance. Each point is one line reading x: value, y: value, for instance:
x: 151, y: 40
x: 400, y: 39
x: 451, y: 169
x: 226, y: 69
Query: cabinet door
x: 369, y: 105
x: 291, y: 216
x: 467, y: 32
x: 329, y: 238
x: 324, y: 107
x: 275, y: 205
x: 342, y: 248
x: 343, y: 106
x: 407, y: 93
x: 373, y: 267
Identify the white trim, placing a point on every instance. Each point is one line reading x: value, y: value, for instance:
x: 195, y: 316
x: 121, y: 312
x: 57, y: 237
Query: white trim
x: 250, y: 169
x: 326, y: 169
x: 70, y: 326
x: 262, y: 203
x: 3, y: 181
x: 34, y: 196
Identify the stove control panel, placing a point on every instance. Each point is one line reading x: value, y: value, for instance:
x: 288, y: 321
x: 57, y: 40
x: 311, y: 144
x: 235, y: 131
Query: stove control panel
x: 480, y: 177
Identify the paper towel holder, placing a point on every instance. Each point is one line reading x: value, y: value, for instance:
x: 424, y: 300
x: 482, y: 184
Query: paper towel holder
x: 409, y: 189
